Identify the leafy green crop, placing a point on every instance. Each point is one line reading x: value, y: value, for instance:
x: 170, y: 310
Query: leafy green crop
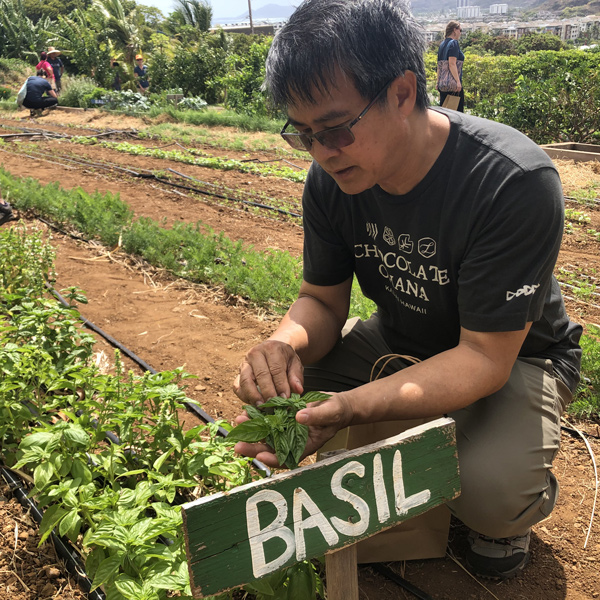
x: 275, y: 423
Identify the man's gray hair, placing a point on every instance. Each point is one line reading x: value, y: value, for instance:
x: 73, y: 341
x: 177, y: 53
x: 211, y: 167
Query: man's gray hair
x: 369, y: 41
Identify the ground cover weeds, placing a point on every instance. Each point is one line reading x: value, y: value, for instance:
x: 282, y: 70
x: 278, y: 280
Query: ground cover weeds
x: 234, y: 140
x: 119, y: 502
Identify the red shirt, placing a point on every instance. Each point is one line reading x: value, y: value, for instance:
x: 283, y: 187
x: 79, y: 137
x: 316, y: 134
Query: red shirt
x: 44, y: 65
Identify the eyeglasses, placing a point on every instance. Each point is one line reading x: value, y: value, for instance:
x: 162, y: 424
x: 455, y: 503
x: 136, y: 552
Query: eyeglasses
x: 332, y: 138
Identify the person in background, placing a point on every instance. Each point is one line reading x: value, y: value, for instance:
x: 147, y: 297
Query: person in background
x: 141, y: 74
x: 450, y: 51
x: 40, y: 94
x: 116, y: 84
x: 6, y: 213
x: 45, y: 66
x: 451, y: 225
x: 57, y: 65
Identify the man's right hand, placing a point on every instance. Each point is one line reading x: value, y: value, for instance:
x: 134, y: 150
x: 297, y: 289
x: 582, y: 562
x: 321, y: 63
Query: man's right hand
x: 269, y: 369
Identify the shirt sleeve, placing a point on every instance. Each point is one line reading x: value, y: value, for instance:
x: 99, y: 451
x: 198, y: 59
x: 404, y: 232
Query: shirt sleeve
x: 328, y: 259
x: 453, y: 49
x: 507, y: 270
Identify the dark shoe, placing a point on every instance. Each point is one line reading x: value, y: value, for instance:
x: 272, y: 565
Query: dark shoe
x: 497, y: 558
x: 36, y: 112
x: 6, y: 213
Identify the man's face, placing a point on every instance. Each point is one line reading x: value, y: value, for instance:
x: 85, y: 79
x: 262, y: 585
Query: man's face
x: 369, y: 159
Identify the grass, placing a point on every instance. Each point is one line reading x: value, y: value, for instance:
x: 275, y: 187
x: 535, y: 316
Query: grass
x: 586, y: 404
x: 9, y: 105
x: 224, y: 118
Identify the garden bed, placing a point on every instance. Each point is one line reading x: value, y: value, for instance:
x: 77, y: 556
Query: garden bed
x: 172, y: 323
x: 573, y: 151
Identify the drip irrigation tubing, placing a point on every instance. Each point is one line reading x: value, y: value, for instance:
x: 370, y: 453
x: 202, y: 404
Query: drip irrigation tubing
x: 204, y: 416
x: 64, y: 548
x: 392, y: 576
x: 281, y: 211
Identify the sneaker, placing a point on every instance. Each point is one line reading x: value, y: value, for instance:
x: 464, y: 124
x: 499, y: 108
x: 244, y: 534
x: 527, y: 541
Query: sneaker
x: 6, y: 213
x: 497, y: 558
x: 36, y: 112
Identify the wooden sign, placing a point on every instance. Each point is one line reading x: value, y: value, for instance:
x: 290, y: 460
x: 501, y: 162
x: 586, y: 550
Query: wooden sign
x: 236, y: 537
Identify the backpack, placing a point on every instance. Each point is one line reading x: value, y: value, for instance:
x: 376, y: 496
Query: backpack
x: 21, y: 95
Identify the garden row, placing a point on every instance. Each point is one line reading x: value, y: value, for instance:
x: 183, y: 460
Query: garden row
x: 106, y: 454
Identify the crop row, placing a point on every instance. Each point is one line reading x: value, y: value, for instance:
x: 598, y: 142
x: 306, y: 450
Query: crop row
x: 115, y: 500
x: 196, y: 157
x: 119, y: 502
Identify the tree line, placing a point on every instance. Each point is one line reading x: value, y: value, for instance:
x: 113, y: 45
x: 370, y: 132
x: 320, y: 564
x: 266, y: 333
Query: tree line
x: 546, y: 88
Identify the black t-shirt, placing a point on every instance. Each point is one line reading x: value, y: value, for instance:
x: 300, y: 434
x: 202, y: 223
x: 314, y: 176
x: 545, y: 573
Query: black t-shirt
x: 36, y: 86
x: 473, y: 244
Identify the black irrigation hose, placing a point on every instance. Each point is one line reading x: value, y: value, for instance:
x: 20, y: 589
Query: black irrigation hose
x: 577, y: 434
x: 63, y: 547
x: 247, y: 202
x: 204, y: 416
x: 409, y: 587
x: 281, y: 211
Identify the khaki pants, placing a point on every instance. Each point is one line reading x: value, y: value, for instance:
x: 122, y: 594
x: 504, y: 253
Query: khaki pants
x: 506, y: 442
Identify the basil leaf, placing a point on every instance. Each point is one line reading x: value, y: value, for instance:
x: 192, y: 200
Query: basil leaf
x: 250, y: 431
x: 253, y: 412
x: 281, y: 446
x: 299, y: 443
x: 315, y: 396
x: 278, y: 401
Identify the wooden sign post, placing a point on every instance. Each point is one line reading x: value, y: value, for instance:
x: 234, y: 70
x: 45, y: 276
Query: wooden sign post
x: 237, y: 537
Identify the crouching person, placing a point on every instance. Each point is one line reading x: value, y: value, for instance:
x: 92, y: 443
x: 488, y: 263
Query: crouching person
x: 452, y: 225
x: 39, y: 94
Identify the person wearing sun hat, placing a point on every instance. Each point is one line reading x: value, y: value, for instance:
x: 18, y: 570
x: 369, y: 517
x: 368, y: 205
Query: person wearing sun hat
x: 57, y: 66
x: 141, y: 74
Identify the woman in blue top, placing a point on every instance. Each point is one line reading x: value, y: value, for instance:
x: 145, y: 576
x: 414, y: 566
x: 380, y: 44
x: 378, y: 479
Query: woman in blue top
x: 450, y: 50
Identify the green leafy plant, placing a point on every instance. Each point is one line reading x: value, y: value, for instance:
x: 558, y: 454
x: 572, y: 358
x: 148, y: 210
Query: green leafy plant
x: 275, y: 423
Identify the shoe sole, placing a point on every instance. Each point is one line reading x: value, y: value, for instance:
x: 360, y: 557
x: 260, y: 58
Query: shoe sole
x: 497, y: 576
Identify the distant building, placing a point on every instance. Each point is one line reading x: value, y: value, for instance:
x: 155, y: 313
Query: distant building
x: 469, y: 12
x: 498, y: 9
x: 263, y: 27
x: 462, y: 3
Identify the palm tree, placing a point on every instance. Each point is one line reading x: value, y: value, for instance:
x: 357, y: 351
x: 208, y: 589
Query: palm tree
x: 122, y: 29
x: 197, y: 13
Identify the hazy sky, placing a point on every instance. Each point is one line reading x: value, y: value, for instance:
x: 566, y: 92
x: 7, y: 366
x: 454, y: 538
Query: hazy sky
x: 221, y: 8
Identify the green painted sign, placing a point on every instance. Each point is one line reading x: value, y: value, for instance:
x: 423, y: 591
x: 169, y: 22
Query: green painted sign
x: 256, y: 529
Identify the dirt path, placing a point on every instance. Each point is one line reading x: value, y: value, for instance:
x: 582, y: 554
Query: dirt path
x: 169, y: 324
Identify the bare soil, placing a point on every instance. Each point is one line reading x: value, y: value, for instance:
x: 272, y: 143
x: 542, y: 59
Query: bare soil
x: 169, y: 323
